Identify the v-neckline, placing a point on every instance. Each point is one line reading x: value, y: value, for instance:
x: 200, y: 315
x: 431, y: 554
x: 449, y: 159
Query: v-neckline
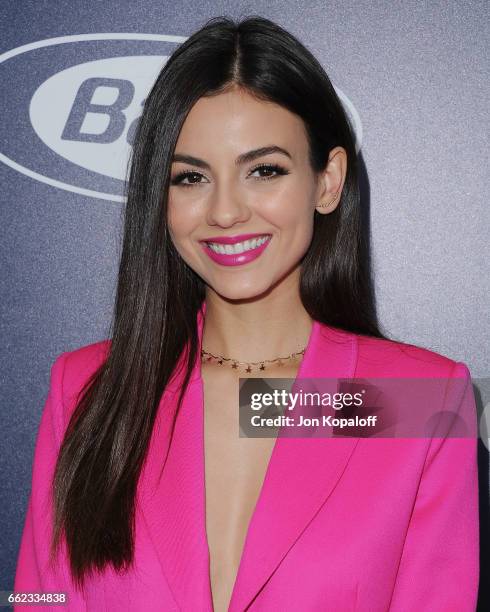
x: 199, y: 382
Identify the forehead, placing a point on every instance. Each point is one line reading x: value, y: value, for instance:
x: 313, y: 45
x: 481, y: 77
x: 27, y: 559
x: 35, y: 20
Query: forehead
x: 235, y: 121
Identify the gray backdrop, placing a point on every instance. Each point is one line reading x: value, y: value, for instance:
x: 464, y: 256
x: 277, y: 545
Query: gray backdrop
x: 414, y: 78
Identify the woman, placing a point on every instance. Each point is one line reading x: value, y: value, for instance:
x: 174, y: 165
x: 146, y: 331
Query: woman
x: 242, y: 256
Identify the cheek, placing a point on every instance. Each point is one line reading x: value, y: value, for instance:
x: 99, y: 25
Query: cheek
x: 292, y: 212
x: 180, y: 221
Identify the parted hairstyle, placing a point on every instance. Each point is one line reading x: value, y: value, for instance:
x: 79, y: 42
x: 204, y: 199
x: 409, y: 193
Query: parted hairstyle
x: 158, y: 296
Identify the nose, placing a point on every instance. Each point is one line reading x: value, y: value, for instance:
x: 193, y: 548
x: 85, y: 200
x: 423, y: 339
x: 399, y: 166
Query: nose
x: 227, y: 206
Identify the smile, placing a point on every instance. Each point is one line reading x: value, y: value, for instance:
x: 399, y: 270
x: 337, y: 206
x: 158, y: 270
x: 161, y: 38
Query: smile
x: 238, y: 253
x: 239, y: 247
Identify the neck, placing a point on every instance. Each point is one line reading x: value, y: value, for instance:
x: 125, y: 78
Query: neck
x: 271, y: 326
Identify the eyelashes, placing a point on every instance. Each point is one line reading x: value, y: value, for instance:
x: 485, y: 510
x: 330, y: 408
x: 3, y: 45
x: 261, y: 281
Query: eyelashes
x: 191, y: 175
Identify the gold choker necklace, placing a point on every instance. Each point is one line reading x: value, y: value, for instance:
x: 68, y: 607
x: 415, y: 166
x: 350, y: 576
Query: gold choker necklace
x: 260, y: 365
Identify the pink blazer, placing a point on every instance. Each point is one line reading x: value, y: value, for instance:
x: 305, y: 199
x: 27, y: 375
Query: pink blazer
x: 341, y: 524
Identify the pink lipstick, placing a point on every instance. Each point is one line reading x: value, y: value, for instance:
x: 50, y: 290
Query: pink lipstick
x: 235, y: 250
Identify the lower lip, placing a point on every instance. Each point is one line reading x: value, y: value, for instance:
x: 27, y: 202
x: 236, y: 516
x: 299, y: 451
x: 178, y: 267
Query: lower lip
x: 237, y: 259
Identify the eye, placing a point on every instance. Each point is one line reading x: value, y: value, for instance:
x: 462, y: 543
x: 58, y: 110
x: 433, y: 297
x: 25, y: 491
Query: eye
x: 269, y: 171
x: 191, y: 176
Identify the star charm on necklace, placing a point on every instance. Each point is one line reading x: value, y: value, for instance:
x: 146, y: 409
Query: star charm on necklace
x: 248, y: 369
x: 235, y: 365
x: 262, y: 366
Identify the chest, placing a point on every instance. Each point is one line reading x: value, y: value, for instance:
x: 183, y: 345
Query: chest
x: 235, y: 469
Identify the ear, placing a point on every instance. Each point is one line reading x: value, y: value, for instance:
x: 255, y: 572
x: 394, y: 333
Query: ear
x: 331, y: 181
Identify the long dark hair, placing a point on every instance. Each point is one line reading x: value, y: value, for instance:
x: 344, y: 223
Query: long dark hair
x: 158, y: 295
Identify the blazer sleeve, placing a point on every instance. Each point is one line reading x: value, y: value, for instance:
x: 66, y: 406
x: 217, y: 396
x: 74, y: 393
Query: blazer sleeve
x: 439, y: 567
x: 34, y: 573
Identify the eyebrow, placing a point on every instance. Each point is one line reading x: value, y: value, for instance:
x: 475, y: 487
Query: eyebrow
x: 241, y: 159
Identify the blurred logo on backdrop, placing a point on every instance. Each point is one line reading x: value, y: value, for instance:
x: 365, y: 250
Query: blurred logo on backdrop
x: 75, y: 102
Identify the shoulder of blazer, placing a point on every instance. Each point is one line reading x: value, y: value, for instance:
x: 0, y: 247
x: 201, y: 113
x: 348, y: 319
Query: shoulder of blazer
x: 378, y: 354
x: 375, y: 357
x: 382, y: 357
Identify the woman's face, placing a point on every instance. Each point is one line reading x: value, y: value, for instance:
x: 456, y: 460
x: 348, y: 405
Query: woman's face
x: 241, y: 167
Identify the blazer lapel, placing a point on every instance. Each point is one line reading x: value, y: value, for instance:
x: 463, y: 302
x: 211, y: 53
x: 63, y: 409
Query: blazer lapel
x: 172, y: 499
x: 301, y: 475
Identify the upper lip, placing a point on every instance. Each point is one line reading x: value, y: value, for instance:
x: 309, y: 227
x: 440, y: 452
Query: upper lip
x: 232, y: 239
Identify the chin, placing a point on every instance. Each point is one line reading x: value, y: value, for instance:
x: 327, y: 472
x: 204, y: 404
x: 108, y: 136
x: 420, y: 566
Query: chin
x: 240, y: 292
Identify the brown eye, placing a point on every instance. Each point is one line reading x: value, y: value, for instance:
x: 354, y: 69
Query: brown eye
x: 265, y: 171
x: 269, y: 171
x: 187, y: 179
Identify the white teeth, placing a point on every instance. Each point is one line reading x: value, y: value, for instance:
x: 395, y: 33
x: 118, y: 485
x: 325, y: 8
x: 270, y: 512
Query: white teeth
x: 239, y: 247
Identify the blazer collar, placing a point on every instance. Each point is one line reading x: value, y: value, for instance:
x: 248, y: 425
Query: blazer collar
x: 303, y: 471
